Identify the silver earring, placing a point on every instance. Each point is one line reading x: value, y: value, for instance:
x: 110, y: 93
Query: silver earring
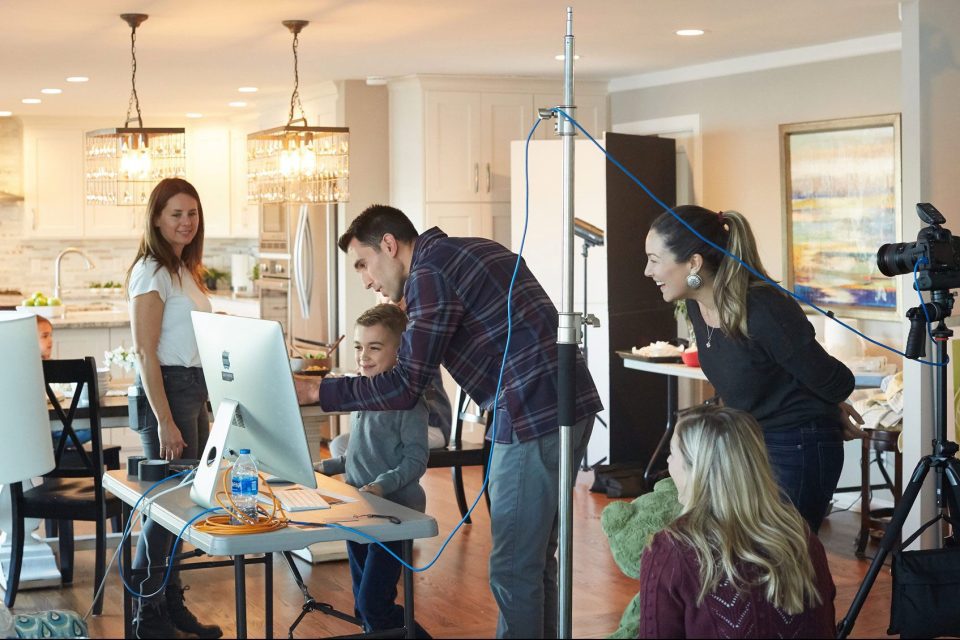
x: 694, y: 281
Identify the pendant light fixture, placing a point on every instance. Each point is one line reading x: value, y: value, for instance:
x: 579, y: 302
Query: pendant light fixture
x: 296, y: 162
x: 123, y: 164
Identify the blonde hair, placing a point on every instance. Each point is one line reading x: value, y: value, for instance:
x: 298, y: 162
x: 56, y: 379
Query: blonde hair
x: 731, y: 282
x: 735, y: 513
x: 152, y: 243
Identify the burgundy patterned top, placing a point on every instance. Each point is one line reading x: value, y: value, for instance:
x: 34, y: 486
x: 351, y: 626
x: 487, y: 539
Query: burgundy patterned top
x: 670, y: 582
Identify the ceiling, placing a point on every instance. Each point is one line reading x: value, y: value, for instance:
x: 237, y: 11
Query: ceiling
x: 192, y: 56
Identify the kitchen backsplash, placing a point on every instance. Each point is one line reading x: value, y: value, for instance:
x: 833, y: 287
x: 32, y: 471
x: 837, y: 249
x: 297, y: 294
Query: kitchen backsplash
x: 26, y: 264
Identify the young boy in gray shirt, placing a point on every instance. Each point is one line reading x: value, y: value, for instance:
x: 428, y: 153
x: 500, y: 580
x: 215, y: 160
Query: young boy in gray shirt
x: 386, y: 455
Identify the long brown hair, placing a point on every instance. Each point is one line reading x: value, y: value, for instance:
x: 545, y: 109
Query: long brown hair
x: 735, y: 513
x: 152, y: 243
x: 731, y: 282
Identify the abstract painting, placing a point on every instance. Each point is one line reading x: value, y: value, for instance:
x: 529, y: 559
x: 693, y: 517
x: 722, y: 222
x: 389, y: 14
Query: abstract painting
x: 841, y: 195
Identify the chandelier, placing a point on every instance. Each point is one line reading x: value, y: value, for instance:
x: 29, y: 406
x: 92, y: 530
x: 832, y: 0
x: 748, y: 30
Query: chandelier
x: 123, y: 164
x: 296, y: 162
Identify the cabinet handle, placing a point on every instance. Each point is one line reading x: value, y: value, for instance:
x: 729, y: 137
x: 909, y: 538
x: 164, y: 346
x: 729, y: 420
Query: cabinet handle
x: 476, y: 177
x: 488, y: 177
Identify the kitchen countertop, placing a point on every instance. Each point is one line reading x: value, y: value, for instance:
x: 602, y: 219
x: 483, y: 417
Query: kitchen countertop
x: 119, y: 317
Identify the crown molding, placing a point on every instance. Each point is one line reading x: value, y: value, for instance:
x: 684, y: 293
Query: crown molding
x: 773, y: 60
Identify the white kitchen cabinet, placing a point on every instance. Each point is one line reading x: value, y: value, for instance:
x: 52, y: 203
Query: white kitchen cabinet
x: 53, y: 181
x: 243, y: 213
x: 450, y: 146
x: 208, y: 169
x: 472, y: 219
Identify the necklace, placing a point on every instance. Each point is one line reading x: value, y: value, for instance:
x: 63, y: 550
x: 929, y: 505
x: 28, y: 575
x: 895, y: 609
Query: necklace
x: 710, y: 331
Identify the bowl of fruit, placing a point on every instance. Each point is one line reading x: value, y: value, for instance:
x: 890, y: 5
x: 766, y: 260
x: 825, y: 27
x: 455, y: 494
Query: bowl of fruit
x: 311, y: 364
x: 42, y: 305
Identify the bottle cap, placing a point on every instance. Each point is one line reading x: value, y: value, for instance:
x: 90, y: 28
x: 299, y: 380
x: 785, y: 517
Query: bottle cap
x: 244, y: 451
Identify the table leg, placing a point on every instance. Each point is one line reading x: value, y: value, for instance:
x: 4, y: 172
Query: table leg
x: 407, y: 554
x: 268, y: 591
x: 240, y: 583
x: 126, y: 558
x: 664, y: 444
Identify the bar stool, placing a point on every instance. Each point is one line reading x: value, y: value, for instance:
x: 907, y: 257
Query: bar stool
x: 877, y: 443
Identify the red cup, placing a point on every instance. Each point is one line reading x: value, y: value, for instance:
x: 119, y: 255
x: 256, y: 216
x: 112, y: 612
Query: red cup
x: 691, y: 358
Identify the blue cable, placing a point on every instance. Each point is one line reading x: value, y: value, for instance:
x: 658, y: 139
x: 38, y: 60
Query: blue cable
x: 493, y: 418
x: 129, y: 526
x: 669, y: 210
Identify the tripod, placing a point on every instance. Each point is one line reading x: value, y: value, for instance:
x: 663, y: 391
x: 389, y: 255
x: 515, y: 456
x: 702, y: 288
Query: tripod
x: 942, y: 460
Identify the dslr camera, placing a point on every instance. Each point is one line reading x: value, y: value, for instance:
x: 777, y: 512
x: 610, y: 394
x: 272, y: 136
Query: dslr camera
x: 941, y: 269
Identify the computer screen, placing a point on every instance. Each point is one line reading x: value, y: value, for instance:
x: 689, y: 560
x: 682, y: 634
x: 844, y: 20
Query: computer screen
x: 245, y: 360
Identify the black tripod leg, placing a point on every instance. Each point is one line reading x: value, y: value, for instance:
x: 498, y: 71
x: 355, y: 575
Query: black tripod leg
x: 889, y: 540
x: 951, y: 498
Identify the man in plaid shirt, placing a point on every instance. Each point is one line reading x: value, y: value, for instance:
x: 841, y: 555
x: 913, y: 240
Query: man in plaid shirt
x: 456, y: 295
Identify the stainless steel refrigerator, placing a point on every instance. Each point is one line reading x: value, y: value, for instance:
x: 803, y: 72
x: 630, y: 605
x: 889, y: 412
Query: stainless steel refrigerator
x: 298, y: 272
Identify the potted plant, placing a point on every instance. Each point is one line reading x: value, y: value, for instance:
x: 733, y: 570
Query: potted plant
x: 212, y: 276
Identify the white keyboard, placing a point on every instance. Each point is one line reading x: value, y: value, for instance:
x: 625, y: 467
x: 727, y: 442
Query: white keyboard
x: 296, y: 498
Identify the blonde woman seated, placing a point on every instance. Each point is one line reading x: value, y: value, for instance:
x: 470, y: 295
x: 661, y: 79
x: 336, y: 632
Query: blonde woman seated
x: 739, y: 562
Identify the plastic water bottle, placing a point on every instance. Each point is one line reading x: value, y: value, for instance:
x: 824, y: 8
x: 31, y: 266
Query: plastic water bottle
x: 244, y: 486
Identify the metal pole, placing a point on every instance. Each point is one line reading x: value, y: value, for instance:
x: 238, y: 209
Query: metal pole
x: 568, y: 339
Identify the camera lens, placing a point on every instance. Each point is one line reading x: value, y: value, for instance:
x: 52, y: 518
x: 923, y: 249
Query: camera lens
x: 897, y: 258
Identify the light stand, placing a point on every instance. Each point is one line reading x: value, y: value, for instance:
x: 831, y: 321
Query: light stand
x: 942, y: 460
x: 592, y: 237
x: 568, y: 340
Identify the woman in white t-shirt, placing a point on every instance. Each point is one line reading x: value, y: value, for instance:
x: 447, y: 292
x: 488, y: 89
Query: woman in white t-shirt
x: 164, y: 285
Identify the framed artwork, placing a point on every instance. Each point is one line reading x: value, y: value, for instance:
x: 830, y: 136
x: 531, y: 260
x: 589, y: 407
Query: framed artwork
x: 841, y: 200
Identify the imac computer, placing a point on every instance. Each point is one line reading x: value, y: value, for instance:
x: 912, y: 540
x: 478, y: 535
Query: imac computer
x: 255, y: 405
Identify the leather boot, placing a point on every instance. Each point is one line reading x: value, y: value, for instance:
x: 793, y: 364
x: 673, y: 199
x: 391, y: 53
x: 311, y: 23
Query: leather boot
x: 150, y: 620
x: 185, y: 621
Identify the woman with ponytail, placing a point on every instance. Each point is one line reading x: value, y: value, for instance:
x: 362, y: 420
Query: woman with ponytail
x: 739, y: 561
x: 757, y: 349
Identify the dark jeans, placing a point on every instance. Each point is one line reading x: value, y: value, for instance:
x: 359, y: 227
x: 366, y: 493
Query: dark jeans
x: 807, y: 462
x: 186, y: 393
x: 375, y: 574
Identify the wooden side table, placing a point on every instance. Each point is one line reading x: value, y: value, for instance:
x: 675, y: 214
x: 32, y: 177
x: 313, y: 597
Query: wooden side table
x: 875, y: 445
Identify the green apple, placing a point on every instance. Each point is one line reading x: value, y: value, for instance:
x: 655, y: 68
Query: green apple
x: 28, y: 302
x: 54, y: 302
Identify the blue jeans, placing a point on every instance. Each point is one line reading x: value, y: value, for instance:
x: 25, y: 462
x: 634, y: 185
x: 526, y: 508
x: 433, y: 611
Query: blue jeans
x: 186, y: 392
x: 524, y: 522
x: 807, y: 462
x: 375, y: 574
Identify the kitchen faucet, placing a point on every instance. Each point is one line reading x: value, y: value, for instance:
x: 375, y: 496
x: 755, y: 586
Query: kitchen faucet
x: 56, y: 267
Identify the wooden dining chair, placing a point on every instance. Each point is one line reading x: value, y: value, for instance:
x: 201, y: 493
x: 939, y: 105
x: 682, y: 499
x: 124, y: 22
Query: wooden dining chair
x: 74, y: 489
x: 459, y: 454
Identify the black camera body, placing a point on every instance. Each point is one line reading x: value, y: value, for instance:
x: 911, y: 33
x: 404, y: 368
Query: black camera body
x: 941, y: 269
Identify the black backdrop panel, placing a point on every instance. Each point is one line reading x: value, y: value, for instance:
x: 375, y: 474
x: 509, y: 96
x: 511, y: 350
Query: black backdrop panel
x: 638, y: 314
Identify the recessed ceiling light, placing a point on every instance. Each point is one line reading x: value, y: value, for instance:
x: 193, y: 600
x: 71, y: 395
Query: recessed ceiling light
x: 77, y: 79
x: 193, y: 114
x: 31, y: 101
x: 561, y: 56
x: 6, y: 114
x: 237, y: 103
x: 689, y: 32
x: 51, y: 92
x: 247, y: 89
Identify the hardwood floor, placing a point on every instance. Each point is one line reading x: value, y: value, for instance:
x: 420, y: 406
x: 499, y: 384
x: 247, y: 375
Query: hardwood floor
x: 453, y: 597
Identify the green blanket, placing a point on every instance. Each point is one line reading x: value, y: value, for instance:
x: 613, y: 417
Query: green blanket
x: 629, y: 526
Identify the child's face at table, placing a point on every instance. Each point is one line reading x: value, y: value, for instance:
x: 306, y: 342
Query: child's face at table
x: 375, y: 348
x: 45, y: 337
